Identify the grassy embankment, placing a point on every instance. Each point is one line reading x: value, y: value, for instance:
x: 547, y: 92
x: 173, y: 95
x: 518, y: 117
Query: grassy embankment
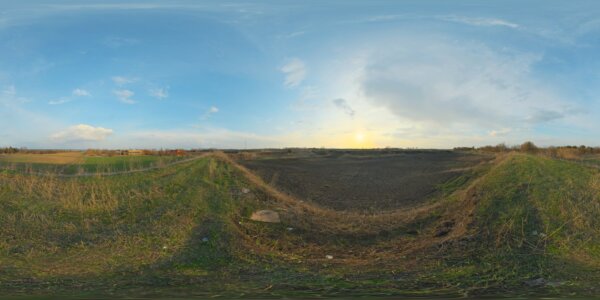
x: 526, y: 225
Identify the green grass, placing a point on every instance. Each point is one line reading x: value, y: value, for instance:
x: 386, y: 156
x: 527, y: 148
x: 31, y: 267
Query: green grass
x: 184, y: 230
x: 536, y: 218
x: 91, y: 164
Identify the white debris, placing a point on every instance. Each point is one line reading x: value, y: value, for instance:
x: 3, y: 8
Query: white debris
x: 268, y: 216
x: 245, y: 190
x: 329, y: 256
x: 290, y: 229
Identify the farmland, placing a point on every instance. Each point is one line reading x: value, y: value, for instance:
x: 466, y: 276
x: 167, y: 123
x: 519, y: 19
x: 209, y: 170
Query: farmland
x: 510, y: 224
x: 76, y: 162
x: 355, y: 181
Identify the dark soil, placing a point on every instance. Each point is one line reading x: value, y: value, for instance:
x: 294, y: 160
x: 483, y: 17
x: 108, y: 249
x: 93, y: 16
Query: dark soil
x: 362, y: 180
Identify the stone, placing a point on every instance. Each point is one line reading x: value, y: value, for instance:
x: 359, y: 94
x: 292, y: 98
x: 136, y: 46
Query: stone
x: 329, y: 256
x: 265, y: 215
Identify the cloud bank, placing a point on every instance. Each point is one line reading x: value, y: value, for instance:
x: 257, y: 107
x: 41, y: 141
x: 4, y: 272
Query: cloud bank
x: 82, y: 133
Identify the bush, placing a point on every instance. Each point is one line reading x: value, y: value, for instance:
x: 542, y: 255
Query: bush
x: 529, y: 147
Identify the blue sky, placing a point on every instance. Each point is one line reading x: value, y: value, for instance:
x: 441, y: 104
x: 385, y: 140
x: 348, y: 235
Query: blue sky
x: 430, y: 74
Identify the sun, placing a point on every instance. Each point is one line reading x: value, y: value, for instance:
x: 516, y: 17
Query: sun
x: 359, y: 137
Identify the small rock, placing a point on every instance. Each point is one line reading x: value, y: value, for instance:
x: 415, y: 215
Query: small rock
x: 329, y: 256
x: 265, y: 215
x: 204, y: 239
x: 245, y: 190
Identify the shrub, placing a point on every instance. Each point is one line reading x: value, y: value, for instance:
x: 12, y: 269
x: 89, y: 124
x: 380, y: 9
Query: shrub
x: 529, y: 147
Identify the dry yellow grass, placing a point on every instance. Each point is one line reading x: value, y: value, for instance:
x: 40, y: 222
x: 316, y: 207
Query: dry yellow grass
x: 52, y: 158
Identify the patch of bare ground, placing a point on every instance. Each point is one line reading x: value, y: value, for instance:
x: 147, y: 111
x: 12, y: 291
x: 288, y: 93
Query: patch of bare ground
x: 363, y: 181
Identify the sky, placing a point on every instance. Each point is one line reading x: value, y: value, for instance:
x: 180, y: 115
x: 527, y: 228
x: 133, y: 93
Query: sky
x: 260, y: 74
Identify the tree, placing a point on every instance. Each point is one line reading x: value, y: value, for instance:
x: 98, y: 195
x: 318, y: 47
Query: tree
x: 529, y: 147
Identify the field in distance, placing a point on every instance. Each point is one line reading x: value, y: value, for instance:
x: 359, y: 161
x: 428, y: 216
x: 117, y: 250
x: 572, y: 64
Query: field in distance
x: 78, y: 162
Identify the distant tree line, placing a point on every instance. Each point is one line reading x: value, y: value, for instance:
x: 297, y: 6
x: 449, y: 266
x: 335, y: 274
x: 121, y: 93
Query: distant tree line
x: 565, y: 152
x: 12, y: 150
x: 9, y: 150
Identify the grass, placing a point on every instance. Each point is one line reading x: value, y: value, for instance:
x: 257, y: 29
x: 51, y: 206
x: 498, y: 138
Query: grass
x: 76, y: 163
x: 72, y: 157
x: 184, y: 230
x: 536, y: 218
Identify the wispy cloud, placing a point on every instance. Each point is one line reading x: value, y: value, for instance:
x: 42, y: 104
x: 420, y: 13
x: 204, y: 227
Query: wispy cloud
x: 382, y: 18
x: 499, y: 132
x: 159, y: 93
x: 479, y: 21
x: 80, y: 93
x: 61, y: 100
x: 95, y: 6
x: 118, y: 42
x: 82, y: 133
x: 9, y: 91
x: 76, y: 93
x: 9, y: 96
x: 544, y: 115
x: 344, y: 106
x: 209, y: 112
x: 295, y: 72
x: 124, y: 96
x: 121, y: 80
x: 291, y: 35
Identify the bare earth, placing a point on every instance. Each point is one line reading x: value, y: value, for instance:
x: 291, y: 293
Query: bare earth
x: 362, y: 180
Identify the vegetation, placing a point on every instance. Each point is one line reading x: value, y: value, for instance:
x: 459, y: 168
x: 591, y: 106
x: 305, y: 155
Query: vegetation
x: 523, y: 225
x: 77, y: 163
